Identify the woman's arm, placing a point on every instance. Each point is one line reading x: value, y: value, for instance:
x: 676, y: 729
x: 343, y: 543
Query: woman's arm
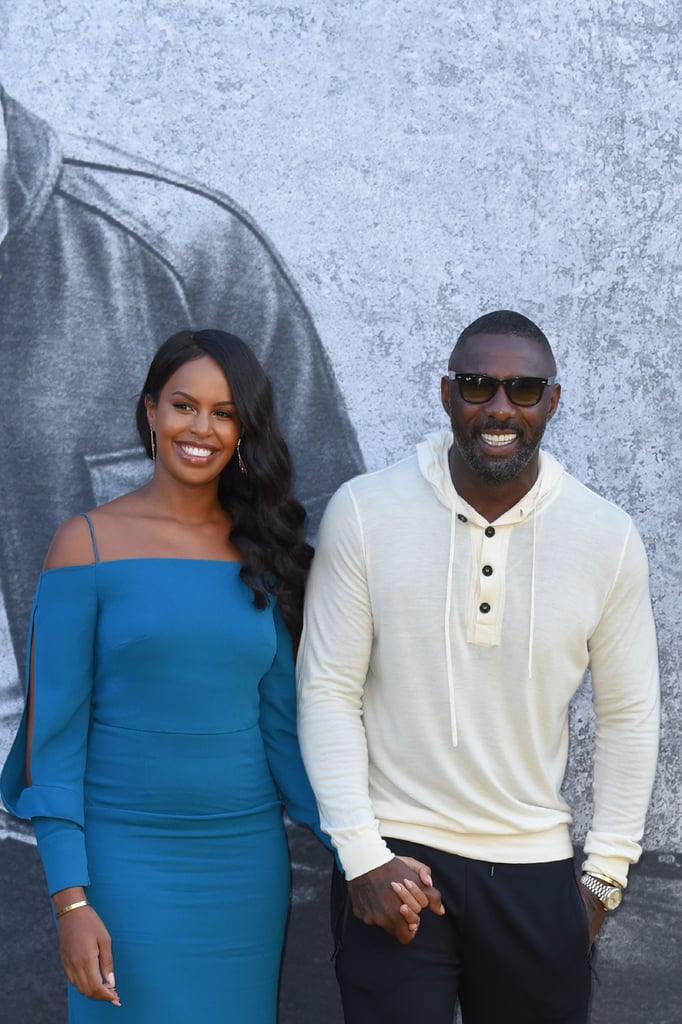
x: 44, y: 775
x: 278, y: 728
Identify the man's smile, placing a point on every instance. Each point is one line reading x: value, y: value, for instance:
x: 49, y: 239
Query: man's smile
x: 498, y: 440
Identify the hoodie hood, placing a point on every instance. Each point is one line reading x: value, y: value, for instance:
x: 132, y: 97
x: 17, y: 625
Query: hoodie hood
x: 432, y: 458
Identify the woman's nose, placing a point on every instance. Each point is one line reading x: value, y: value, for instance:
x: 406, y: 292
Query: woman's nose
x: 201, y: 423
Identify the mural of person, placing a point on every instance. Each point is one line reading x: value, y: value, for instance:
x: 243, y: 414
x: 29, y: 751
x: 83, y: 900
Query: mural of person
x: 101, y: 256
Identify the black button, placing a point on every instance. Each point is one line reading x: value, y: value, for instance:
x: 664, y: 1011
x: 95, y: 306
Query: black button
x: 485, y: 608
x: 487, y: 570
x: 461, y: 518
x: 490, y: 531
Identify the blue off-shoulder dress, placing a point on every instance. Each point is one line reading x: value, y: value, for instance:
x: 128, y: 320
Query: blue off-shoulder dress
x: 164, y: 746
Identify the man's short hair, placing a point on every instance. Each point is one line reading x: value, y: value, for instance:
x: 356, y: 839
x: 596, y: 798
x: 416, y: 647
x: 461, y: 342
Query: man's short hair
x: 504, y: 321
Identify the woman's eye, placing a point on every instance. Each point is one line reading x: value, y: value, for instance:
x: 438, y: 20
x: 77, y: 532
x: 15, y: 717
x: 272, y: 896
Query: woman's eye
x: 224, y: 414
x: 182, y: 405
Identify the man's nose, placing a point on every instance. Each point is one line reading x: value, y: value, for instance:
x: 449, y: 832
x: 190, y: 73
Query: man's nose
x: 499, y: 405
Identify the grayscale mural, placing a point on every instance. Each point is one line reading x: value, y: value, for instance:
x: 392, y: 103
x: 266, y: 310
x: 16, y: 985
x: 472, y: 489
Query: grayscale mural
x: 416, y: 165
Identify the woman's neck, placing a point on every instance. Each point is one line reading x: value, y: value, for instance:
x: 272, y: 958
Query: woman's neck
x: 190, y: 505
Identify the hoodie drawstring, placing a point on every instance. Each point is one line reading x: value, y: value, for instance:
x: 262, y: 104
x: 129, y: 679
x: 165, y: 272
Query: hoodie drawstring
x: 448, y: 627
x: 531, y: 627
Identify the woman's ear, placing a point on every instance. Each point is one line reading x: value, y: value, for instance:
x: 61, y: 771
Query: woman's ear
x: 150, y: 409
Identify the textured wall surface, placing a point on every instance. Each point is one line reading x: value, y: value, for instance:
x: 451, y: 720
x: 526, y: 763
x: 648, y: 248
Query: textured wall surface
x: 418, y: 164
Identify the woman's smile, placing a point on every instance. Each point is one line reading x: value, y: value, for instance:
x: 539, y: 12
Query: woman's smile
x: 193, y: 452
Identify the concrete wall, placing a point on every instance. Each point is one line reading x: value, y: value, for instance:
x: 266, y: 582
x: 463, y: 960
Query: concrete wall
x: 418, y: 164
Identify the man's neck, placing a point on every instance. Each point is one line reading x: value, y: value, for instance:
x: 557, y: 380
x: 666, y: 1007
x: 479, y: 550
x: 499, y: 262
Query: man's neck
x: 4, y: 180
x: 490, y: 499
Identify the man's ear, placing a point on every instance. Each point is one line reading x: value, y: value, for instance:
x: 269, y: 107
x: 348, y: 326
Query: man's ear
x: 554, y: 401
x: 445, y: 394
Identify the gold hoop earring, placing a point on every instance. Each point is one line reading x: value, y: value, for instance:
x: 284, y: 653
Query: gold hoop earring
x: 240, y: 460
x: 152, y: 439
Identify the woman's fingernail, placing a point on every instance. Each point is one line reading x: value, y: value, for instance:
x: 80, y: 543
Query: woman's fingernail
x: 111, y: 979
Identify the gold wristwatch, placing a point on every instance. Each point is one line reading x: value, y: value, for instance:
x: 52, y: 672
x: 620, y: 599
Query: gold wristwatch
x: 608, y: 892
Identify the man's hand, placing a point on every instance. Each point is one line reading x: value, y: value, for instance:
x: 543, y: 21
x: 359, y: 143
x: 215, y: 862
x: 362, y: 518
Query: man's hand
x: 377, y: 900
x: 594, y: 909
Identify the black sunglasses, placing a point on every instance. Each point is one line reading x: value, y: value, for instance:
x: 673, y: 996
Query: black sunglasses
x: 478, y: 388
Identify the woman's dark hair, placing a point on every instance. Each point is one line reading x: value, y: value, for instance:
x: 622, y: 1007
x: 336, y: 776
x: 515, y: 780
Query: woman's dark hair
x: 267, y: 521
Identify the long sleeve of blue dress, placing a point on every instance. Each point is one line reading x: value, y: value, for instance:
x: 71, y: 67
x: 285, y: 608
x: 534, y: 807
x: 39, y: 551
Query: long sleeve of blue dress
x: 278, y: 728
x: 62, y: 637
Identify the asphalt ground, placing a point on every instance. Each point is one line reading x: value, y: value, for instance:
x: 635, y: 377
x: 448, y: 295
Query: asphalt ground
x: 638, y: 962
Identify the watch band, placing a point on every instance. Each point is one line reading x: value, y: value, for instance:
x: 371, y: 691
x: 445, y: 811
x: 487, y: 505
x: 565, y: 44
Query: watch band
x: 608, y: 893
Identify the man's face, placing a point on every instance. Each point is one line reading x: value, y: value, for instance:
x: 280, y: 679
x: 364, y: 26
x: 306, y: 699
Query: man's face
x: 498, y: 439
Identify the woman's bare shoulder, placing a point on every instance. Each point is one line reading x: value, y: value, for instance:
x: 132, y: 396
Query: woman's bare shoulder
x: 73, y: 542
x: 71, y: 545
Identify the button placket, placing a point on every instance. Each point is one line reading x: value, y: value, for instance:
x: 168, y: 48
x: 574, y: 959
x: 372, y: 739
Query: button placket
x: 488, y: 598
x: 487, y: 588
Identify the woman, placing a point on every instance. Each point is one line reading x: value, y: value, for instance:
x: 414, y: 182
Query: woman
x: 159, y: 740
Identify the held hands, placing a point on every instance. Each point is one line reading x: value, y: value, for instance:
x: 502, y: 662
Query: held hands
x: 85, y: 948
x: 393, y: 895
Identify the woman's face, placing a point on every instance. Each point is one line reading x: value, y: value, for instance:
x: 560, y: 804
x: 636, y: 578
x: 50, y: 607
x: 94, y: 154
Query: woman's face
x: 196, y: 423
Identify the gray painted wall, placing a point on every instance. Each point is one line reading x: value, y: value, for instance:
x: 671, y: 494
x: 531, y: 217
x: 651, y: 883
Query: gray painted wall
x: 419, y: 163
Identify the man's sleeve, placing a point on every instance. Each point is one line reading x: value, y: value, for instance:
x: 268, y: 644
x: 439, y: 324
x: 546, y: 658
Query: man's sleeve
x: 624, y: 664
x: 332, y: 668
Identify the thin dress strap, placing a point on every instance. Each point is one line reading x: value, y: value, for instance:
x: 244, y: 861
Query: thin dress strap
x: 92, y: 534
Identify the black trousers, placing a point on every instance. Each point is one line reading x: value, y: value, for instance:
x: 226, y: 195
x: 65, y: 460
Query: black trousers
x: 512, y: 948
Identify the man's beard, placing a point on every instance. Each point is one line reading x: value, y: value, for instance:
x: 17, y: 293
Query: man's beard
x: 493, y: 470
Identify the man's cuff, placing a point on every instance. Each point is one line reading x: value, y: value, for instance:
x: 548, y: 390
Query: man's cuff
x: 363, y: 854
x: 615, y: 868
x: 610, y: 854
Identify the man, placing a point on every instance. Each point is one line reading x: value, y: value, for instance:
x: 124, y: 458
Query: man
x: 102, y: 256
x: 455, y: 602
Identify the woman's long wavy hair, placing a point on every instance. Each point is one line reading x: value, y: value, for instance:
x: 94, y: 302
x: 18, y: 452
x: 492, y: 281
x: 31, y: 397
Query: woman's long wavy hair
x: 267, y: 521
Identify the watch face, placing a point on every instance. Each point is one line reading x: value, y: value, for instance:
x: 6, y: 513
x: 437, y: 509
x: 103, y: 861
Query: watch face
x: 613, y: 899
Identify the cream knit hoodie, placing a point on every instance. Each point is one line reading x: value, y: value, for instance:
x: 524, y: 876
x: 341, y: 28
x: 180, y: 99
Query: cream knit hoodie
x: 439, y: 656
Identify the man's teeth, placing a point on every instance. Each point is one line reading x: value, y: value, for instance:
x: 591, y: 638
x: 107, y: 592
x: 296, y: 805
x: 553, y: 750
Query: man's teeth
x: 198, y: 452
x: 498, y: 440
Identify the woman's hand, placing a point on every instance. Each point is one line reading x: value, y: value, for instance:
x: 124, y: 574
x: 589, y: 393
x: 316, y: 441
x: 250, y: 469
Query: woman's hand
x: 85, y: 948
x: 416, y: 899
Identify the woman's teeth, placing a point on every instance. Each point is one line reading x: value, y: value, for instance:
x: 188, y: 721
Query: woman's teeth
x: 196, y: 452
